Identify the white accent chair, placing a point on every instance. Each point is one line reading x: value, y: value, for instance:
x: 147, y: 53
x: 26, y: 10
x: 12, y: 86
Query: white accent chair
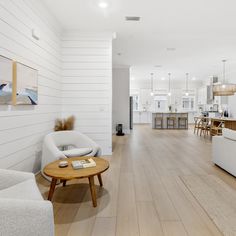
x: 224, y: 150
x: 78, y: 141
x: 23, y: 211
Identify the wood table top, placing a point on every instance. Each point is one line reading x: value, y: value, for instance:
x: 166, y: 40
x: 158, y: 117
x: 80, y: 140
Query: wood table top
x: 217, y: 118
x: 53, y: 170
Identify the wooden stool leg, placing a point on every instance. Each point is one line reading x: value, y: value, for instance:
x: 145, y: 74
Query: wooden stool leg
x: 100, y: 180
x: 52, y: 188
x: 93, y: 191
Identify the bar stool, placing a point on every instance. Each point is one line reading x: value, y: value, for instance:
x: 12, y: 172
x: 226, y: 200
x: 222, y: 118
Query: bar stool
x: 196, y: 124
x: 205, y: 127
x: 171, y: 122
x: 183, y: 123
x: 158, y: 122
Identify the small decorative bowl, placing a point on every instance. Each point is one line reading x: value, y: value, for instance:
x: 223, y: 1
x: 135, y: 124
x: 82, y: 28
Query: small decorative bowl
x: 63, y: 164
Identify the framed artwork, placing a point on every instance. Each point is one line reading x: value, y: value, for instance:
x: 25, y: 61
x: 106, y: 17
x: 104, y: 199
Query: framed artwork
x: 25, y: 85
x: 6, y: 75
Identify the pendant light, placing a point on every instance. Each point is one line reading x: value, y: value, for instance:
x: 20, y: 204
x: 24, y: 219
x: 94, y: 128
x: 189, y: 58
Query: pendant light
x: 152, y: 93
x: 169, y: 92
x: 186, y: 86
x: 224, y: 89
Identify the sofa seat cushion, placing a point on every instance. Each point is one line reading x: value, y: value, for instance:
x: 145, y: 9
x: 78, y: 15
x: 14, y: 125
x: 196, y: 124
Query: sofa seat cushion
x: 229, y: 134
x: 26, y: 190
x: 77, y: 152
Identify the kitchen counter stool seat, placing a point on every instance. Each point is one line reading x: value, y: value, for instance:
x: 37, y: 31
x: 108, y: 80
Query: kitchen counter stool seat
x: 183, y: 123
x: 158, y: 122
x: 171, y: 120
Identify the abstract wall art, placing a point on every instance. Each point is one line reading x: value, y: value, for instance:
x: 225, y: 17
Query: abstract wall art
x: 25, y: 85
x: 6, y: 75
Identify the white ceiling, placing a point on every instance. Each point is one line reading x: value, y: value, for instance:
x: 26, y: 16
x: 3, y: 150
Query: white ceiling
x: 202, y: 31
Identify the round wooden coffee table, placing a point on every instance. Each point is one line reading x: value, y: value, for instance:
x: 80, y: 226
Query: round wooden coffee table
x: 68, y: 173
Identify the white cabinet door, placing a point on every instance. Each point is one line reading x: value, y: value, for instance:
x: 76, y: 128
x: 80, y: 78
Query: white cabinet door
x: 202, y: 96
x: 141, y: 117
x: 144, y: 118
x: 136, y: 117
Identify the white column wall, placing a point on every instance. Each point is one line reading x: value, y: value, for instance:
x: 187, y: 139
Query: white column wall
x: 87, y: 84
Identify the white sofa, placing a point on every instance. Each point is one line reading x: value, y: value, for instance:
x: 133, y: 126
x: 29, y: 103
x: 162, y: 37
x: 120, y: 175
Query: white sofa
x: 224, y: 150
x: 23, y: 212
x: 80, y: 144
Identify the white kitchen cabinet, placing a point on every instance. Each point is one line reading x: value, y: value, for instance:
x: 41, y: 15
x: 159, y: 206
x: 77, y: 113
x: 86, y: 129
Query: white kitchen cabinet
x: 142, y: 117
x: 202, y: 96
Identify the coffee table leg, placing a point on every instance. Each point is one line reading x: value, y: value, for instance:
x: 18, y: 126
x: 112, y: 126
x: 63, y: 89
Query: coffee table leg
x: 100, y: 180
x: 52, y: 188
x: 93, y: 191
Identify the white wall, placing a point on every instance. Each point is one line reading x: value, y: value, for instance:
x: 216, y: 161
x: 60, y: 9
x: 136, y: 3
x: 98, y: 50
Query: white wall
x: 87, y: 84
x: 120, y: 98
x: 23, y: 127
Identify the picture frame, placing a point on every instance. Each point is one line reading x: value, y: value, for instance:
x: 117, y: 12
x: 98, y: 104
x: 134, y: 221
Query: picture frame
x: 6, y: 82
x: 24, y: 84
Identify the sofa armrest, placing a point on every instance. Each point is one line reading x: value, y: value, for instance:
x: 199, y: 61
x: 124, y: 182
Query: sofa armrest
x: 11, y: 177
x: 26, y: 217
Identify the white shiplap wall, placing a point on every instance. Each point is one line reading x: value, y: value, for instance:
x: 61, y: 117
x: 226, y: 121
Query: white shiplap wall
x: 23, y: 127
x: 87, y: 84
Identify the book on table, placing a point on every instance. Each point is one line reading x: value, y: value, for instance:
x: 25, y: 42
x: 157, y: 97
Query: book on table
x: 80, y: 164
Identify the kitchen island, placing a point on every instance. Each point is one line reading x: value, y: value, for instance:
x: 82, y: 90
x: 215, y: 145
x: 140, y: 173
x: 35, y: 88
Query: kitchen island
x: 177, y: 120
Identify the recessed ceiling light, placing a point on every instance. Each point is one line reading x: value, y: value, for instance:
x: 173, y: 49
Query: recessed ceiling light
x: 163, y: 78
x: 103, y: 5
x: 132, y: 18
x: 170, y: 49
x: 132, y: 78
x: 193, y: 78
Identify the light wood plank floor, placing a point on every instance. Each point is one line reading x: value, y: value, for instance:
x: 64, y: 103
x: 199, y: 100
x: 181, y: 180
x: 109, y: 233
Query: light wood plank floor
x: 145, y: 190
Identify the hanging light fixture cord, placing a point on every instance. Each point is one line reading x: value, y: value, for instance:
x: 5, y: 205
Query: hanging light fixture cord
x: 186, y: 82
x: 169, y: 81
x: 152, y: 82
x: 224, y: 61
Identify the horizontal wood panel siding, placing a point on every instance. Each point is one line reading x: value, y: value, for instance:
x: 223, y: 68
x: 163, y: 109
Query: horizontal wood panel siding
x: 87, y: 85
x: 22, y: 128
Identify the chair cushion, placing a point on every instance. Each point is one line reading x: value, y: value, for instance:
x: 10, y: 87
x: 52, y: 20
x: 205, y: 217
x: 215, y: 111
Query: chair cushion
x: 229, y: 134
x: 76, y: 152
x: 26, y: 190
